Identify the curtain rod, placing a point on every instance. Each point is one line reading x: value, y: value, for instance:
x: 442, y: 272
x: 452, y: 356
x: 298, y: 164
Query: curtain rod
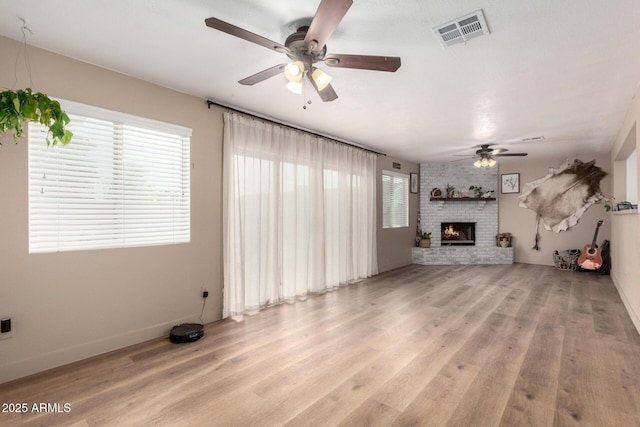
x: 210, y: 103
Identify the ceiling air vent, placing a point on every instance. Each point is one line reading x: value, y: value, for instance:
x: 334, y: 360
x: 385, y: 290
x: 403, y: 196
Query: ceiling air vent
x: 533, y: 139
x: 462, y: 29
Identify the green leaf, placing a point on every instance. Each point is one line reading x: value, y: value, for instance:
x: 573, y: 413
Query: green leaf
x: 27, y: 111
x: 66, y: 138
x: 18, y: 127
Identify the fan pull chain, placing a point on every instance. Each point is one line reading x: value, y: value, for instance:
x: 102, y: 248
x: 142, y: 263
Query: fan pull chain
x: 304, y: 95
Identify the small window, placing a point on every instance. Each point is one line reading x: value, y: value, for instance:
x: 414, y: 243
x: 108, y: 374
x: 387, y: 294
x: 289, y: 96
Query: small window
x: 626, y: 170
x: 632, y: 177
x: 123, y: 181
x: 395, y: 200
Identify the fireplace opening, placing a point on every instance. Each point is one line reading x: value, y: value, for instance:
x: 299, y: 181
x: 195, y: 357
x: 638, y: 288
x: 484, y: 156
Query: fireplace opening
x: 458, y: 233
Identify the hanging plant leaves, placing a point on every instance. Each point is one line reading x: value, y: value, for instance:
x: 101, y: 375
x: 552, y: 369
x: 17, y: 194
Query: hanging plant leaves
x: 20, y: 106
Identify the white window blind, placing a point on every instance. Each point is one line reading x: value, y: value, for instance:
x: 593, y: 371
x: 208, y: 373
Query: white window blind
x: 395, y: 200
x: 123, y: 181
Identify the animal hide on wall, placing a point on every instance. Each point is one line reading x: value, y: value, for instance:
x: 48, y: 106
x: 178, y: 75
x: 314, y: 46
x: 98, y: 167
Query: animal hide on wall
x: 560, y: 198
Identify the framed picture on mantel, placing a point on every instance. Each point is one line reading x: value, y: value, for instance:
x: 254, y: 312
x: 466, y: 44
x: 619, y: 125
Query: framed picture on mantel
x: 510, y: 183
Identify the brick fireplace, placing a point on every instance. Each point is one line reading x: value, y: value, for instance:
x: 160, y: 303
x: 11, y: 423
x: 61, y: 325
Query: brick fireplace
x: 435, y: 214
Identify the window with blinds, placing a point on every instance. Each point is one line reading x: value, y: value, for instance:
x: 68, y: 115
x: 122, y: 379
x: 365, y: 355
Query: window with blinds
x: 395, y: 200
x: 123, y: 181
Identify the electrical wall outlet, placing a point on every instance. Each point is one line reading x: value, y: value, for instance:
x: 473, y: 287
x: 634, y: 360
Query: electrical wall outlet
x: 5, y: 328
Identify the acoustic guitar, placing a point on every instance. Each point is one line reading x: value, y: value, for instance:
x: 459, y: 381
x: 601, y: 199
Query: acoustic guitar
x: 591, y: 257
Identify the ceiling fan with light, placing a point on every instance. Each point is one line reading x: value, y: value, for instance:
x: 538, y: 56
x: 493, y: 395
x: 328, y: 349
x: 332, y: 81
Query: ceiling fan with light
x: 486, y: 155
x: 306, y: 47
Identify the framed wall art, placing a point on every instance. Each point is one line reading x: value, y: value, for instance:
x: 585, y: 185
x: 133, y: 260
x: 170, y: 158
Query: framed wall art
x: 510, y: 183
x: 413, y: 182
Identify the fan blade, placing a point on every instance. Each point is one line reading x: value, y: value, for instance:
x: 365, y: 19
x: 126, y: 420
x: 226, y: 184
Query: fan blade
x: 225, y: 27
x: 327, y: 94
x: 512, y: 155
x: 263, y: 75
x: 363, y: 62
x: 325, y: 22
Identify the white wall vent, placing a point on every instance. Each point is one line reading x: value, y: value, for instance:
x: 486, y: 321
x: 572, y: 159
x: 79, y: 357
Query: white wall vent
x: 462, y: 29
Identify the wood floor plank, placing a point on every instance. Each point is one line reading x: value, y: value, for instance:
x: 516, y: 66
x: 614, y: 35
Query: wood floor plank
x: 534, y: 393
x: 503, y: 362
x: 370, y: 413
x: 421, y: 345
x: 281, y: 403
x: 580, y: 294
x: 512, y: 302
x: 579, y: 386
x: 606, y: 306
x: 431, y: 407
x: 403, y: 388
x: 338, y: 404
x: 533, y: 396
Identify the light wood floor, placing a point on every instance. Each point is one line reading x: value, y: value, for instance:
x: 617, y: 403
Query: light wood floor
x: 441, y: 345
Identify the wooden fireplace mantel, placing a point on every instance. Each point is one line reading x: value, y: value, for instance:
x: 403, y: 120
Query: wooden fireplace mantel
x: 480, y: 201
x: 461, y: 199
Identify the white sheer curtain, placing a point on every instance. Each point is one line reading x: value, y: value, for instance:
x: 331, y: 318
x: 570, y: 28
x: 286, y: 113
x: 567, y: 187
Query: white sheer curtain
x: 298, y: 214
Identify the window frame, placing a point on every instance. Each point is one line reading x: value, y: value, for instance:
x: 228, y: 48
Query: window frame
x: 134, y: 171
x: 391, y: 214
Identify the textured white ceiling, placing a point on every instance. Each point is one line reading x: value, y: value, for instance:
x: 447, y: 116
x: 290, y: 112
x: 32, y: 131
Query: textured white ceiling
x: 563, y: 69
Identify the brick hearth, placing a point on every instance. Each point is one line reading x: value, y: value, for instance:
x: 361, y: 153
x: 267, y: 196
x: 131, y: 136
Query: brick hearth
x: 448, y: 255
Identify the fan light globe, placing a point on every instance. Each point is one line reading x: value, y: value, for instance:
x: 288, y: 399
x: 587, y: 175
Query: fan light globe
x: 321, y: 78
x: 485, y: 162
x: 295, y: 87
x: 294, y: 71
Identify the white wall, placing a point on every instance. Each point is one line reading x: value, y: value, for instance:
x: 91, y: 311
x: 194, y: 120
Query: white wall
x: 625, y: 229
x: 394, y: 244
x: 69, y: 306
x: 521, y: 222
